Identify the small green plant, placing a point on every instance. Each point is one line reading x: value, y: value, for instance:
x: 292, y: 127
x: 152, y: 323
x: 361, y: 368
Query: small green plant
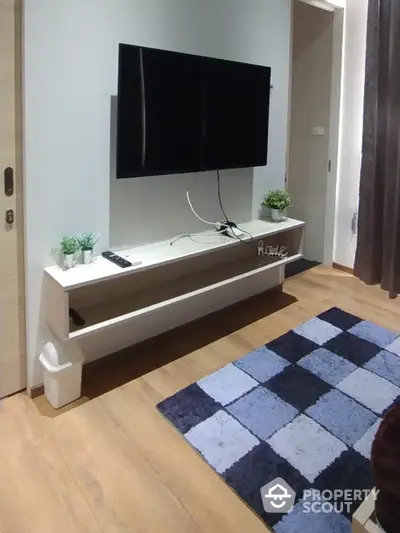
x: 278, y: 199
x: 69, y: 245
x: 87, y: 241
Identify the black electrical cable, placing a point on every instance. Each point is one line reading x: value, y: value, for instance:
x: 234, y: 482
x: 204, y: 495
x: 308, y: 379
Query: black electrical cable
x: 219, y: 197
x: 227, y: 219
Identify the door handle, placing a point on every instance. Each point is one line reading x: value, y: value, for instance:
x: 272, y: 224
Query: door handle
x: 8, y: 181
x: 10, y: 217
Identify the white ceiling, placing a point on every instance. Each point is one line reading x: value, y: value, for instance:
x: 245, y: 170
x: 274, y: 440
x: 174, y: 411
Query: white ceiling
x: 328, y: 5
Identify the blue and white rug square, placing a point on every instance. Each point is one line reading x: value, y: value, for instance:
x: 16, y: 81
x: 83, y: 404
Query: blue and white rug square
x: 370, y: 390
x: 221, y: 440
x: 227, y: 384
x: 307, y: 446
x: 262, y: 364
x: 250, y: 411
x: 328, y: 366
x: 342, y: 416
x: 304, y: 408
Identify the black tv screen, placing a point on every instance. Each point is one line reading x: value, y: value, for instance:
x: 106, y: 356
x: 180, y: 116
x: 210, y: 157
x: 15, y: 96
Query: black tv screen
x: 184, y: 113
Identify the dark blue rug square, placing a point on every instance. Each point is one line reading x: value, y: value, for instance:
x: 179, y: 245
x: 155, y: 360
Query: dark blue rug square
x: 350, y: 471
x: 339, y: 318
x: 298, y: 387
x: 353, y: 348
x: 248, y: 475
x: 292, y: 346
x: 188, y: 408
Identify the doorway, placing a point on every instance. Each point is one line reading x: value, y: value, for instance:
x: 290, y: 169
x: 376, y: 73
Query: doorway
x: 314, y: 124
x: 12, y: 297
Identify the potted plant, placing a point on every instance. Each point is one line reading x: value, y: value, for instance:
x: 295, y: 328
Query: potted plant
x: 277, y: 201
x: 87, y: 241
x: 69, y: 246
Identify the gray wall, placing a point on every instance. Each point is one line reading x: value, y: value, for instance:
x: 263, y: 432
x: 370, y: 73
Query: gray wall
x: 70, y: 78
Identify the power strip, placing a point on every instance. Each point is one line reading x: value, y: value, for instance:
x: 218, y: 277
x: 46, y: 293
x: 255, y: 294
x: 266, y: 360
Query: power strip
x: 229, y: 229
x: 235, y: 233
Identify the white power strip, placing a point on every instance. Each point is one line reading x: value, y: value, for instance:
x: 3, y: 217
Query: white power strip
x: 235, y: 233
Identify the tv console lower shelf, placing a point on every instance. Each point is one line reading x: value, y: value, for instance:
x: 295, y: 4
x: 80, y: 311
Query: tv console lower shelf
x: 173, y: 285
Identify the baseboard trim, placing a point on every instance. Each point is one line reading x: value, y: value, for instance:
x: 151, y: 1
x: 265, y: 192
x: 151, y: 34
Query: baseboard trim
x: 36, y: 391
x: 343, y: 268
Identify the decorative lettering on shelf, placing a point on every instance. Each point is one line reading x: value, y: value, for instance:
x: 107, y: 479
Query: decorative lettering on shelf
x: 271, y: 250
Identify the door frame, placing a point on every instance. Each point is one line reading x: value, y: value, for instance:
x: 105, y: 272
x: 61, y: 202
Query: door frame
x: 20, y: 182
x: 334, y: 133
x: 16, y: 163
x: 335, y: 121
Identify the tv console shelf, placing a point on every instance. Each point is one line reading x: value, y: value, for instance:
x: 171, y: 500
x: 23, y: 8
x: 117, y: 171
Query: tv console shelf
x: 173, y: 284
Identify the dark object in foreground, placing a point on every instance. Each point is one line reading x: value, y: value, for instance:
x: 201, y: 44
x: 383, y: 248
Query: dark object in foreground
x: 386, y: 467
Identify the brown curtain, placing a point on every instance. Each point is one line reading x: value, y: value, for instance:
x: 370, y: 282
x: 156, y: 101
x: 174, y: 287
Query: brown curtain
x: 378, y: 243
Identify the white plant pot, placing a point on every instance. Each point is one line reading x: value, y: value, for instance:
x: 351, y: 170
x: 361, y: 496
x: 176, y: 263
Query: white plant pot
x: 277, y: 215
x: 87, y: 256
x: 69, y: 260
x: 264, y: 213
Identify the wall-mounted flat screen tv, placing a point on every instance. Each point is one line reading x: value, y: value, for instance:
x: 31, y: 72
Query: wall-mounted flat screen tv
x: 184, y: 113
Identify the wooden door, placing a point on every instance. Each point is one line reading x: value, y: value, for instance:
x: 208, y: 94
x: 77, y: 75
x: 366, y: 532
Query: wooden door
x: 12, y: 299
x: 310, y: 116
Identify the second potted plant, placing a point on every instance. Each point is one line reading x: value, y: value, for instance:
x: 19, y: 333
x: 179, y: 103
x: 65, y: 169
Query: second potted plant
x: 87, y: 241
x: 69, y: 246
x: 277, y: 200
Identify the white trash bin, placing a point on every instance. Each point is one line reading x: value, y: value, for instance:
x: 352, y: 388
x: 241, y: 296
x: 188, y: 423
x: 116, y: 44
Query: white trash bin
x: 62, y: 377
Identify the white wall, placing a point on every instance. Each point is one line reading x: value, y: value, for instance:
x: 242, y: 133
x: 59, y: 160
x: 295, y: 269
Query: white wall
x: 310, y: 107
x: 70, y: 49
x: 351, y: 127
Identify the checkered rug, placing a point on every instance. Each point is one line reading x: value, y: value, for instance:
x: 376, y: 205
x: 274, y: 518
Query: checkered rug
x: 304, y: 408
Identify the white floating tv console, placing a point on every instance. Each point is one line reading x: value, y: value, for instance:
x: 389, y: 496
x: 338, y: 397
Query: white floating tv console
x: 173, y: 285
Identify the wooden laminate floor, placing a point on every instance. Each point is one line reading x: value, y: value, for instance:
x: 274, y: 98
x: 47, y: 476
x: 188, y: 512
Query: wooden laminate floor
x: 111, y: 464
